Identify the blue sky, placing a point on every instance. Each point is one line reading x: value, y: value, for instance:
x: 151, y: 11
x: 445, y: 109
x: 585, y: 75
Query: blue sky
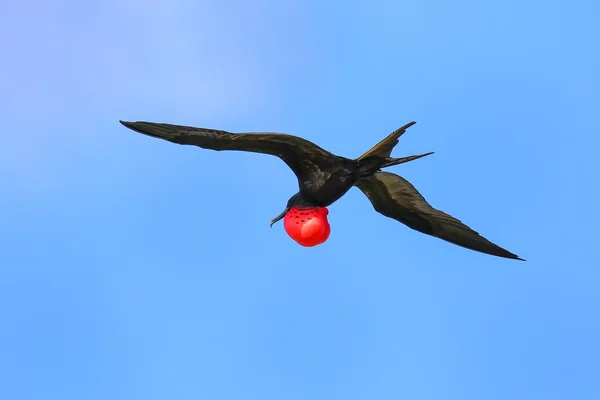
x: 134, y: 268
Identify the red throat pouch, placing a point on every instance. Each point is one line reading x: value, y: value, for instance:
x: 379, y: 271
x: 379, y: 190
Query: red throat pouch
x: 307, y: 226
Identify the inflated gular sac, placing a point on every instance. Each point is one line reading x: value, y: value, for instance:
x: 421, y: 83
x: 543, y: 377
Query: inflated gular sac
x: 307, y: 226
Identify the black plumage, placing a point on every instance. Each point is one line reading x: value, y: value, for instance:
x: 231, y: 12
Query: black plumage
x: 324, y: 177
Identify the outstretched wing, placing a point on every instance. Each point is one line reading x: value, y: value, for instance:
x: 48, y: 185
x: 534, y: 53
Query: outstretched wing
x: 394, y: 197
x: 307, y: 160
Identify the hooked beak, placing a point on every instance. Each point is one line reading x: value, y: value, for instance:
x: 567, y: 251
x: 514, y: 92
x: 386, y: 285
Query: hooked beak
x: 280, y: 216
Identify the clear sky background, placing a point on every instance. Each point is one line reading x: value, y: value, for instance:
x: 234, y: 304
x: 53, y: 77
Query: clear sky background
x: 133, y: 268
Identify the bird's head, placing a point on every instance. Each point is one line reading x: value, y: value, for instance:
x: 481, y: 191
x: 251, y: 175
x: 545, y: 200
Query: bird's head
x: 306, y: 224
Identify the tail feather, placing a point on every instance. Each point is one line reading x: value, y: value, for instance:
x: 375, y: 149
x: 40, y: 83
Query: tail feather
x: 384, y: 148
x: 395, y: 161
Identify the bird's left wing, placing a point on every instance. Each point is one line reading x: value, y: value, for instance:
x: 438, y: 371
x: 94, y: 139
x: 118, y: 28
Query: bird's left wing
x: 395, y: 197
x: 304, y: 157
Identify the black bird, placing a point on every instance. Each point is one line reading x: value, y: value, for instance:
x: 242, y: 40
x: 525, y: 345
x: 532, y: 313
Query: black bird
x: 324, y: 177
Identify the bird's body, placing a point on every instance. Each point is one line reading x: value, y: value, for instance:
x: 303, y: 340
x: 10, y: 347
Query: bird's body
x: 323, y: 178
x: 328, y: 183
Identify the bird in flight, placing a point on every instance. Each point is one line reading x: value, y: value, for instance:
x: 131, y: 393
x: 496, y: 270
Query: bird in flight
x: 324, y: 177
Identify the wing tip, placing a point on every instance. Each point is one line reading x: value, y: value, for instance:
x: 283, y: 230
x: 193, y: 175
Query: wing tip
x: 153, y: 129
x: 509, y: 255
x: 130, y: 125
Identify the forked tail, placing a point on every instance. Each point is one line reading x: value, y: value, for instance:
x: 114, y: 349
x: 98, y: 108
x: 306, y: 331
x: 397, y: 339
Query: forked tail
x: 380, y: 154
x: 384, y: 148
x: 395, y: 161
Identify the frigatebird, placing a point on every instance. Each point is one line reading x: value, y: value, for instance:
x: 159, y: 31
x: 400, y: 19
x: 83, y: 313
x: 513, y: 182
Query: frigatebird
x: 324, y: 177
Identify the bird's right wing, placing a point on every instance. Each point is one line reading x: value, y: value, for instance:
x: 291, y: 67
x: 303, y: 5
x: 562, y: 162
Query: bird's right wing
x: 394, y: 197
x: 306, y: 159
